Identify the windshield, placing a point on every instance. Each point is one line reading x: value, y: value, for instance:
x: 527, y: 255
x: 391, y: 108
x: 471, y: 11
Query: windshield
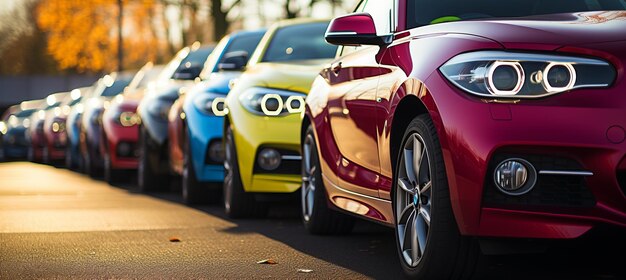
x: 25, y: 113
x: 243, y: 42
x: 196, y: 57
x: 299, y: 42
x: 425, y: 12
x: 116, y: 88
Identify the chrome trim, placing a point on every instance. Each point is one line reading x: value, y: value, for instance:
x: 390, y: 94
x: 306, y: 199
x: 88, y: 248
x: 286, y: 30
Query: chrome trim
x: 341, y: 33
x: 564, y: 172
x: 291, y: 157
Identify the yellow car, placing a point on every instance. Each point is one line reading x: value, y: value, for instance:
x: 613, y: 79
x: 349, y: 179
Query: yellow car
x: 262, y: 126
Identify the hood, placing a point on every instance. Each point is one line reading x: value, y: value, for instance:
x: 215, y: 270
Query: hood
x: 556, y: 30
x: 294, y: 76
x: 218, y: 82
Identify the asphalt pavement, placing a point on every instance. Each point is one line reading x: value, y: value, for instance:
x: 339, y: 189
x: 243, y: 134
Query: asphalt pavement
x: 59, y: 224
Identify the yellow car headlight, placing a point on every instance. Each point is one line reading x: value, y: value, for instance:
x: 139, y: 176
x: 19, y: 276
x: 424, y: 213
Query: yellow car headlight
x: 272, y: 102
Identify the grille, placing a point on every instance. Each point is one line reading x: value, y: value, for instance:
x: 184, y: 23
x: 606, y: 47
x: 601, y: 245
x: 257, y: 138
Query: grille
x: 550, y: 190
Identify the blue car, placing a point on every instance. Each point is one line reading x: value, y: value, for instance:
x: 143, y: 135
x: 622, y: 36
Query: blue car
x: 180, y: 73
x: 13, y: 128
x: 196, y: 120
x: 73, y: 158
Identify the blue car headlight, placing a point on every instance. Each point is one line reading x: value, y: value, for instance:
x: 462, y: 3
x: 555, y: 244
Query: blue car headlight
x: 525, y: 75
x: 272, y: 102
x: 210, y: 104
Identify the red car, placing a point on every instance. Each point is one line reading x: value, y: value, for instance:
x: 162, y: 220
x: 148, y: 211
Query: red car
x: 38, y: 150
x: 450, y: 120
x: 119, y: 124
x: 54, y: 128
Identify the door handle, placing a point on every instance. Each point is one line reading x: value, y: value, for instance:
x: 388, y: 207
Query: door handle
x: 336, y: 68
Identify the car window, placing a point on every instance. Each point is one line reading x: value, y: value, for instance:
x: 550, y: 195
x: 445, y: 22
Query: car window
x: 244, y: 42
x: 197, y: 57
x: 117, y: 87
x: 24, y: 113
x: 299, y: 42
x: 425, y: 12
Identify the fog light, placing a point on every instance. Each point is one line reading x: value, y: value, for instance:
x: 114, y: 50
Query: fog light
x: 515, y: 176
x: 216, y: 152
x: 124, y: 149
x: 269, y: 159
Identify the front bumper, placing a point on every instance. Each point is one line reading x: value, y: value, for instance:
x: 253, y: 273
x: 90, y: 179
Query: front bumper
x: 204, y: 130
x: 252, y: 132
x: 583, y: 128
x: 14, y: 144
x: 122, y: 145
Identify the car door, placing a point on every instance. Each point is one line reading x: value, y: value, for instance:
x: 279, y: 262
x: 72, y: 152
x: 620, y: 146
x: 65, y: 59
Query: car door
x: 352, y: 106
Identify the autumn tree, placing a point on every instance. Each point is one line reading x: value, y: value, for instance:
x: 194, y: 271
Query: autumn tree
x: 23, y: 47
x: 82, y: 35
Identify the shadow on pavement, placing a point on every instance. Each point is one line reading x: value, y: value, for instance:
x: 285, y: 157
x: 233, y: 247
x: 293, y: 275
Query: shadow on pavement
x: 370, y: 249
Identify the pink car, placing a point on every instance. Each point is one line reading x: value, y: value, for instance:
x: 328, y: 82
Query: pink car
x: 451, y: 120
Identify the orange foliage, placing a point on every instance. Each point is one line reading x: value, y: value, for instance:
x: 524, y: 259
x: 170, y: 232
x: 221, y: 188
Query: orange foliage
x: 82, y: 35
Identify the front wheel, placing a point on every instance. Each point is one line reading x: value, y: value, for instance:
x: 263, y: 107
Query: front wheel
x: 111, y: 175
x: 237, y: 203
x: 317, y: 217
x: 427, y: 237
x: 148, y: 179
x: 194, y: 191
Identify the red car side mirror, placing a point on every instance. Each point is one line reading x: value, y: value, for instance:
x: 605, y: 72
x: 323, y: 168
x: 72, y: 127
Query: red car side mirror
x: 354, y: 30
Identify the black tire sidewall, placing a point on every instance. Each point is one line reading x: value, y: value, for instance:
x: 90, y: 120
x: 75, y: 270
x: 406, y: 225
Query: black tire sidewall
x: 430, y: 265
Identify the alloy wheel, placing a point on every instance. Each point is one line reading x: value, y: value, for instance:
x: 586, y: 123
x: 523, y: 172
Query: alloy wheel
x: 308, y: 177
x: 413, y: 199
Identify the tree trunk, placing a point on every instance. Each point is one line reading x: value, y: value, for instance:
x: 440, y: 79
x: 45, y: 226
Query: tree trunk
x: 220, y: 22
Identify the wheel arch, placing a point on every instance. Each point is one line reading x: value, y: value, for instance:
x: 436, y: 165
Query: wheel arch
x: 408, y: 108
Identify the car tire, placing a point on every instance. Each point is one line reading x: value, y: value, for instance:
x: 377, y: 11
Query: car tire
x: 237, y: 203
x: 422, y: 210
x: 317, y: 216
x: 69, y: 164
x: 90, y: 167
x: 194, y: 191
x: 148, y: 179
x: 111, y: 175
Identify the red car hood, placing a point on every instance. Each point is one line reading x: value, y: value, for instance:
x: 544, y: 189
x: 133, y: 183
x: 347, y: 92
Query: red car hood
x: 553, y: 30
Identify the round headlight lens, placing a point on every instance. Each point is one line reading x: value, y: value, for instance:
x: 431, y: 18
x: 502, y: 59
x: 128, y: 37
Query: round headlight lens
x: 559, y: 77
x: 129, y: 119
x: 505, y: 78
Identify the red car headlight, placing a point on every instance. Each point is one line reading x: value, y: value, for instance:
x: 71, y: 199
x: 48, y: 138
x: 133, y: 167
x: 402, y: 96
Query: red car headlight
x: 525, y: 75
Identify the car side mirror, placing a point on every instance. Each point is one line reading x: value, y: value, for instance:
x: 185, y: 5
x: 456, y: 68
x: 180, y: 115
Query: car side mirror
x: 185, y: 72
x: 234, y: 61
x: 354, y: 30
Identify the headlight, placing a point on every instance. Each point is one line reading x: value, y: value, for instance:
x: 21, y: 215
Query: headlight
x: 210, y: 104
x: 159, y: 109
x: 525, y: 75
x: 127, y: 119
x: 3, y: 128
x: 272, y: 102
x: 58, y: 126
